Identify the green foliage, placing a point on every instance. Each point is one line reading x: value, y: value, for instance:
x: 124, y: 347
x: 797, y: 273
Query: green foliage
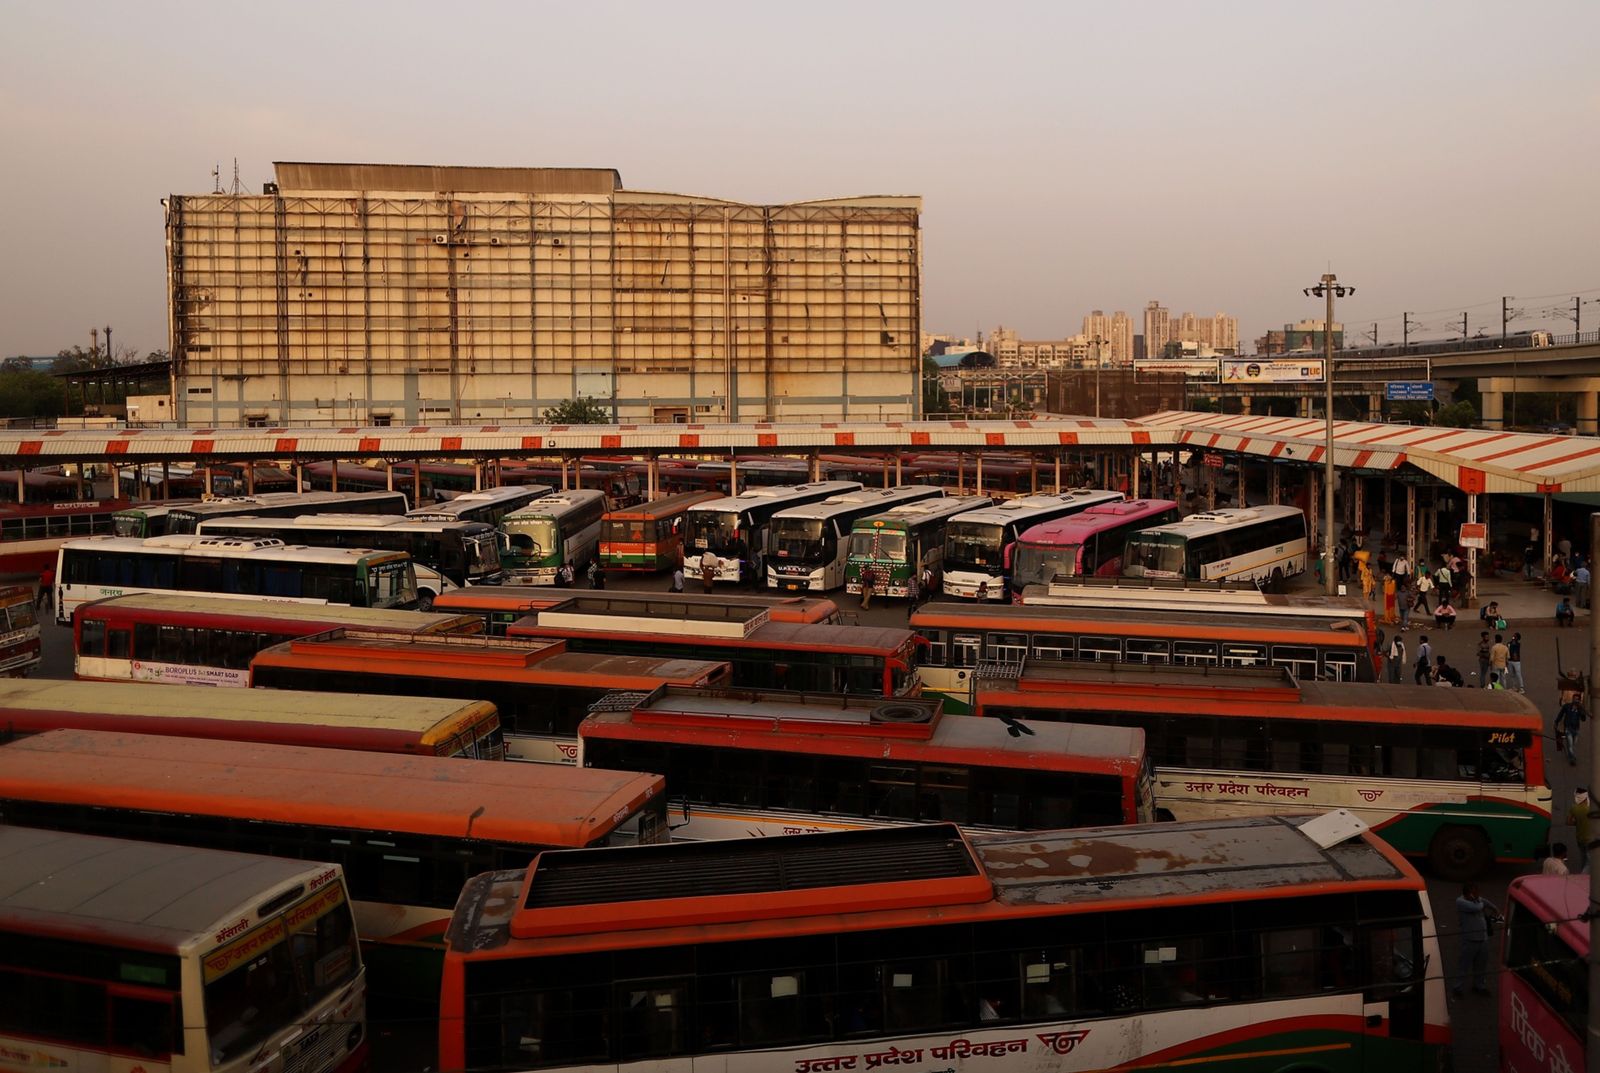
x: 580, y: 411
x: 1457, y: 415
x: 25, y: 393
x: 1412, y: 413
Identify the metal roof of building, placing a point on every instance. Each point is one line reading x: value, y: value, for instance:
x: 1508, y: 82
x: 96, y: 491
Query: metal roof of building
x: 1473, y: 460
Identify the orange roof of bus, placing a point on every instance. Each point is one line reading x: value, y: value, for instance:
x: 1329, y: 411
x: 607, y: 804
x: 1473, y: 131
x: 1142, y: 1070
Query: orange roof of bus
x: 532, y: 804
x: 1137, y: 622
x: 661, y: 508
x: 540, y: 662
x: 789, y: 636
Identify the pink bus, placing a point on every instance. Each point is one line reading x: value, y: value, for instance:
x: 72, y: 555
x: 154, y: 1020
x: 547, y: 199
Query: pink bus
x: 1088, y: 543
x: 1544, y: 990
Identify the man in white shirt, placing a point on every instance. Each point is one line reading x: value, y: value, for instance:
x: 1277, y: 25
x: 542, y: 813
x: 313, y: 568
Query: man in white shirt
x: 1556, y: 863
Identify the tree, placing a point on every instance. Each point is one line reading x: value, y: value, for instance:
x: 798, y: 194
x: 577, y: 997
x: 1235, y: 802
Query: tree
x: 1457, y: 415
x: 26, y: 393
x: 579, y: 411
x: 935, y: 400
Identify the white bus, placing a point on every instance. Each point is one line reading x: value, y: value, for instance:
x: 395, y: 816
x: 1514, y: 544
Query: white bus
x: 978, y: 545
x: 1262, y: 544
x: 808, y: 545
x: 187, y: 518
x: 133, y: 955
x: 734, y: 529
x: 549, y: 533
x: 263, y: 569
x: 489, y: 506
x: 446, y: 554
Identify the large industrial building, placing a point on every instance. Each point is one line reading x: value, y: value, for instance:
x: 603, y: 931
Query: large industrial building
x: 379, y: 294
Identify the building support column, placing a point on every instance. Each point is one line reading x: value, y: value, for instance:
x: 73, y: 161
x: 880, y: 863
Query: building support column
x: 477, y: 475
x: 1211, y: 488
x: 205, y: 471
x: 166, y: 480
x: 1494, y: 410
x: 416, y: 482
x: 1313, y: 501
x: 300, y: 478
x: 388, y: 475
x: 1388, y: 508
x: 1588, y: 413
x: 333, y: 470
x: 1177, y: 481
x: 980, y: 472
x: 1549, y: 538
x: 816, y: 468
x: 898, y: 479
x: 1274, y: 486
x: 1359, y: 510
x: 1472, y: 555
x: 116, y: 482
x: 1133, y: 481
x: 250, y: 478
x: 1411, y: 527
x: 1033, y: 474
x: 652, y: 476
x: 886, y: 473
x: 733, y: 475
x: 1058, y: 471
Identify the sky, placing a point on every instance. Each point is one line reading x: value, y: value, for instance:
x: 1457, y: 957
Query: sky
x: 1070, y: 156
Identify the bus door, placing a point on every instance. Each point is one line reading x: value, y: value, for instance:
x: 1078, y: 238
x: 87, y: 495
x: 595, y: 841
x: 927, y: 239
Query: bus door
x: 1392, y: 1004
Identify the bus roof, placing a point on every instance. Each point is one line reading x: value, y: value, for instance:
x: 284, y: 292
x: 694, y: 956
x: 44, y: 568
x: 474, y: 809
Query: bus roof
x: 241, y: 504
x: 228, y: 547
x: 555, y: 504
x: 769, y: 634
x: 1022, y: 507
x: 1132, y: 622
x: 923, y: 510
x: 900, y: 877
x: 531, y: 804
x: 662, y: 604
x: 334, y: 520
x: 859, y: 500
x: 148, y: 894
x: 776, y: 494
x: 1074, y: 528
x: 1559, y: 900
x: 467, y: 500
x: 1211, y: 521
x: 1172, y: 593
x: 1258, y: 692
x: 184, y: 607
x: 841, y: 725
x: 662, y: 508
x: 479, y: 658
x: 36, y: 705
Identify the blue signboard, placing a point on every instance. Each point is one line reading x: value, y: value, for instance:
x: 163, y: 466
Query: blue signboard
x: 1411, y: 391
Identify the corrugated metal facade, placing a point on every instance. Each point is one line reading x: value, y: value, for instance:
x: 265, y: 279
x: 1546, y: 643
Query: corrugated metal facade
x: 414, y: 305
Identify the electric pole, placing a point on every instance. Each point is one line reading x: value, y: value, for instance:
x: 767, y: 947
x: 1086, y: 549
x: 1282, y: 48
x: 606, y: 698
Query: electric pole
x: 1505, y: 318
x: 1463, y: 327
x: 1405, y: 329
x: 1330, y: 288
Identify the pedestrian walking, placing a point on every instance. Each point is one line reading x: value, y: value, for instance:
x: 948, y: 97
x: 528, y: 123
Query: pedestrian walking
x: 1514, y: 664
x: 1423, y: 674
x: 868, y: 583
x: 1391, y: 600
x: 1424, y: 587
x: 1556, y: 863
x: 1401, y: 568
x: 1582, y: 826
x: 926, y: 584
x: 1477, y: 916
x: 47, y: 587
x: 566, y: 575
x: 597, y: 576
x: 1397, y: 659
x: 1500, y: 659
x: 708, y: 569
x: 1580, y: 586
x: 677, y: 578
x: 1407, y: 599
x: 1569, y: 721
x: 1530, y: 559
x: 1442, y: 578
x: 1484, y: 645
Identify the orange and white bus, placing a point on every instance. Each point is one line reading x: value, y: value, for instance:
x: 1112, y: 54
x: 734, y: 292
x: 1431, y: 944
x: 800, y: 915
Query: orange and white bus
x: 182, y: 638
x: 425, y: 726
x: 32, y: 533
x: 20, y: 644
x: 1455, y: 776
x: 809, y: 657
x: 960, y: 636
x: 408, y: 830
x: 140, y: 956
x: 648, y: 536
x: 752, y: 763
x: 1263, y: 943
x: 541, y: 691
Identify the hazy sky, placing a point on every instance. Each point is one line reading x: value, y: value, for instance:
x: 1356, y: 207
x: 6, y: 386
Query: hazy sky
x: 1070, y: 156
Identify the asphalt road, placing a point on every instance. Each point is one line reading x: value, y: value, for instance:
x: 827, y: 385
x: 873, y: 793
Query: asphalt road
x: 1473, y: 1017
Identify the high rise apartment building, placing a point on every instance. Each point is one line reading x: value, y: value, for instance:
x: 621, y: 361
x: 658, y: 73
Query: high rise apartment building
x: 1114, y: 334
x: 1220, y: 331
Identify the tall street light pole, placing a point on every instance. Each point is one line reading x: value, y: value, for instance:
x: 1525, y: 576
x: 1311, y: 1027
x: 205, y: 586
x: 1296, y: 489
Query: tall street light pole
x: 1329, y: 288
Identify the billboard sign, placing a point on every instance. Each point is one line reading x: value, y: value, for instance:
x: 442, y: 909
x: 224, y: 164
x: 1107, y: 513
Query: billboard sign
x: 1271, y: 371
x: 1203, y: 369
x: 1409, y: 391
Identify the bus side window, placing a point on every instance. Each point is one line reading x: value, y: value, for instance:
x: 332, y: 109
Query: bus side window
x: 117, y: 644
x: 92, y: 638
x: 936, y: 653
x: 1056, y: 647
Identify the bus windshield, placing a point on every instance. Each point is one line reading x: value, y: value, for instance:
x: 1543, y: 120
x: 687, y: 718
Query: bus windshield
x: 251, y: 992
x: 483, y: 553
x: 533, y: 537
x: 713, y: 530
x: 880, y: 544
x: 973, y: 544
x: 391, y: 584
x: 798, y: 538
x: 18, y: 616
x: 1037, y: 564
x: 1156, y: 554
x: 128, y: 523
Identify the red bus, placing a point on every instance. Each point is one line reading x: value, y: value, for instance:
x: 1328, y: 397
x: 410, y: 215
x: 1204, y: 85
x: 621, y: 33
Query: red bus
x: 1544, y: 990
x: 647, y: 536
x: 808, y: 657
x: 32, y: 533
x: 19, y: 632
x: 182, y: 638
x: 541, y: 690
x: 39, y: 487
x: 1085, y: 544
x: 751, y: 763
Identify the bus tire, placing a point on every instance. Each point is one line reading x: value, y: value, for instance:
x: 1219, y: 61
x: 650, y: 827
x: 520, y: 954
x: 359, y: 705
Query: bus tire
x: 424, y: 600
x: 1165, y: 816
x: 1459, y: 853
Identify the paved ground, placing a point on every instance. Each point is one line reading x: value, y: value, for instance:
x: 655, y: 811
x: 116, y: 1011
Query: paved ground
x: 1527, y: 608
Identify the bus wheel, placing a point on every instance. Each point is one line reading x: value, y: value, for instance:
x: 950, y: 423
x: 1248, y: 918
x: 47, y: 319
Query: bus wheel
x: 1165, y: 816
x: 424, y: 600
x: 1459, y: 853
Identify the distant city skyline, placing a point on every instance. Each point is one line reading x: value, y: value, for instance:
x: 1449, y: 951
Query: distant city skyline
x: 1433, y: 182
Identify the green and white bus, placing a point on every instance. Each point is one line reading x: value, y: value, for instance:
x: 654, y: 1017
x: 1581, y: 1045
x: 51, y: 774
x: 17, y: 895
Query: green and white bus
x: 560, y: 529
x: 807, y: 543
x: 897, y: 544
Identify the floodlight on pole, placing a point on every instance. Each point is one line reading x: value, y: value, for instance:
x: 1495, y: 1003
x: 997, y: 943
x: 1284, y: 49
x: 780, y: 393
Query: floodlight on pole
x: 1329, y: 288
